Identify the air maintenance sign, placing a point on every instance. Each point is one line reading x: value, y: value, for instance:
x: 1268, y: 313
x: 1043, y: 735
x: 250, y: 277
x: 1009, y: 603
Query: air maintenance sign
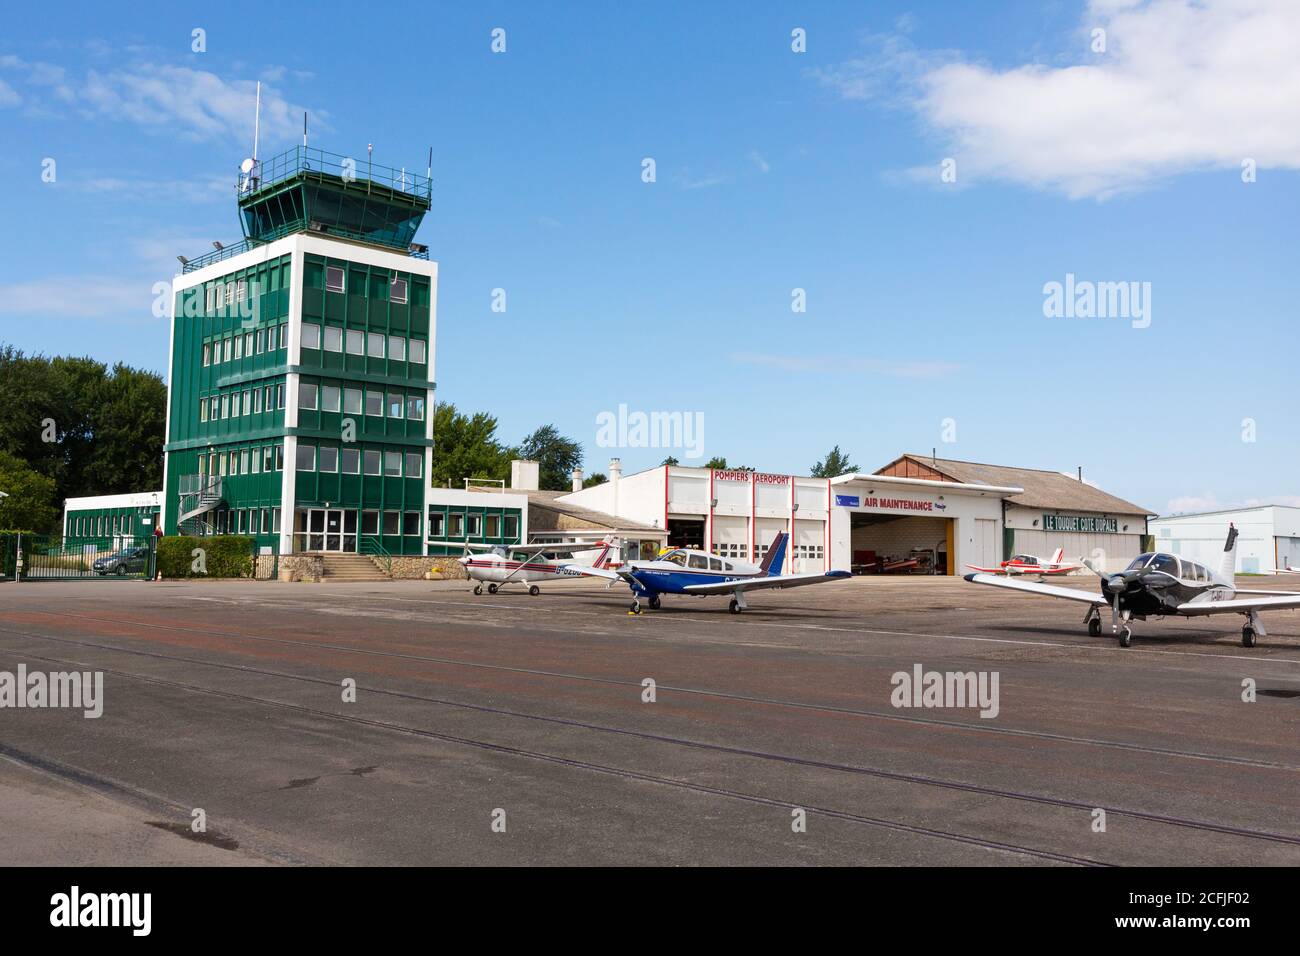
x: 1080, y: 523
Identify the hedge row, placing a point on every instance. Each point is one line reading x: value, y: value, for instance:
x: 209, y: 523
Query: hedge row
x: 224, y: 556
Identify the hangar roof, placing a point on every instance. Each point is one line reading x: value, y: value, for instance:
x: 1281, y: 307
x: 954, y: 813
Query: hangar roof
x: 1042, y: 489
x: 547, y: 513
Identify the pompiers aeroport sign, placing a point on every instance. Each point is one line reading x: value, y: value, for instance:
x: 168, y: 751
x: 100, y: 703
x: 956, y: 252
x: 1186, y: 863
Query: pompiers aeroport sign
x: 1085, y: 525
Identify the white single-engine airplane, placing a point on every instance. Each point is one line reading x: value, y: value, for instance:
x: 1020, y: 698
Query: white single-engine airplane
x: 699, y: 574
x: 1030, y: 564
x: 1158, y: 584
x: 504, y: 564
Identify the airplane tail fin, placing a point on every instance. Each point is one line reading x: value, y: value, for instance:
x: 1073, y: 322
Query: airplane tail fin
x: 603, y: 559
x: 1228, y: 567
x: 774, y: 560
x: 1057, y: 555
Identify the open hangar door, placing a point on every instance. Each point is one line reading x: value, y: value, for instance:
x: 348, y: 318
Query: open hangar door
x: 888, y: 544
x: 686, y: 533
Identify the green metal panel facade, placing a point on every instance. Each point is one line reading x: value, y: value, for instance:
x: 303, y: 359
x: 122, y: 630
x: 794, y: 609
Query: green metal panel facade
x: 227, y: 393
x: 457, y: 524
x: 364, y: 377
x: 100, y: 526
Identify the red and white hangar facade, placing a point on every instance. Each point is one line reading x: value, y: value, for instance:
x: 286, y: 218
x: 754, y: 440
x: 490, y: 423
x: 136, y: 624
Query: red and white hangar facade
x: 872, y: 523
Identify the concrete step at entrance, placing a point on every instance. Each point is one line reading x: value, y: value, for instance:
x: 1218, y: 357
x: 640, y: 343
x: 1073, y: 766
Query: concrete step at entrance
x: 350, y: 567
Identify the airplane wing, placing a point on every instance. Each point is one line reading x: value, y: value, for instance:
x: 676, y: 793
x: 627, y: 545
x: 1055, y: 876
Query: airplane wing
x: 976, y: 567
x: 588, y: 571
x: 759, y: 584
x: 1047, y: 590
x: 1278, y: 602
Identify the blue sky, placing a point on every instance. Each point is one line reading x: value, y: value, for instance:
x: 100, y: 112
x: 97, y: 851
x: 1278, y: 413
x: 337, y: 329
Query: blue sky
x: 775, y: 170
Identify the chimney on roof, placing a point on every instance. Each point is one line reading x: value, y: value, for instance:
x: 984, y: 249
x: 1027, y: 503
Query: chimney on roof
x: 577, y: 479
x: 524, y: 475
x: 615, y: 469
x: 1081, y: 474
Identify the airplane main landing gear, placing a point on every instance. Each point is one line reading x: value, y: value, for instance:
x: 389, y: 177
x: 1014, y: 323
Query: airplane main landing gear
x: 1125, y: 636
x: 654, y: 602
x: 734, y: 607
x: 478, y: 590
x: 492, y: 589
x: 1247, y: 636
x: 534, y: 590
x: 1094, y: 626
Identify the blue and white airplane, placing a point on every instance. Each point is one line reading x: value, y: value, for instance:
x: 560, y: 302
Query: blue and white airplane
x: 699, y: 574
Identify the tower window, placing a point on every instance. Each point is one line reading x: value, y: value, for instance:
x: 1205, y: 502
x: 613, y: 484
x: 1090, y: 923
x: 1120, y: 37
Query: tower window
x: 333, y: 279
x: 397, y: 290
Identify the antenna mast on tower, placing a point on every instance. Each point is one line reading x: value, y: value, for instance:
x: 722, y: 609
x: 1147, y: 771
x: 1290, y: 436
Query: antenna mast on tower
x: 257, y: 118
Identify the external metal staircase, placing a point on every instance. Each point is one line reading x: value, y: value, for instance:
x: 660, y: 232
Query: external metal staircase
x: 199, y: 495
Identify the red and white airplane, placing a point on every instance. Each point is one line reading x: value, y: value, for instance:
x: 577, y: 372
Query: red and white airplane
x: 1030, y: 564
x: 527, y: 563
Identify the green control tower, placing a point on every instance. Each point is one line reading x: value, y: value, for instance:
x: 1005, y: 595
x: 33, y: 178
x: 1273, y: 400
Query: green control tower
x: 301, y: 388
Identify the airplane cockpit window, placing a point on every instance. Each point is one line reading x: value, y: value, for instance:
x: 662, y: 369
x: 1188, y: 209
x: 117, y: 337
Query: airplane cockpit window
x: 1025, y: 559
x: 715, y: 564
x: 1140, y: 561
x: 1165, y: 562
x: 699, y: 561
x: 675, y: 557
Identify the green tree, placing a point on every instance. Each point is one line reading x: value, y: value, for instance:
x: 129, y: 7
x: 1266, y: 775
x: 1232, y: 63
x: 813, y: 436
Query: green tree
x: 592, y: 480
x: 670, y: 460
x: 127, y: 422
x: 90, y: 431
x: 465, y: 446
x: 556, y: 456
x: 720, y: 464
x: 30, y: 504
x: 834, y: 464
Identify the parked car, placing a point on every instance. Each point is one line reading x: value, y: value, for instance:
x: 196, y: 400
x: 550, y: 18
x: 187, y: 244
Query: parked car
x: 130, y: 560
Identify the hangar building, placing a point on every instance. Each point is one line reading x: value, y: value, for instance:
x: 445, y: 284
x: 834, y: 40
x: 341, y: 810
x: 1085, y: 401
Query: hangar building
x: 918, y: 514
x: 1051, y: 510
x: 1268, y: 537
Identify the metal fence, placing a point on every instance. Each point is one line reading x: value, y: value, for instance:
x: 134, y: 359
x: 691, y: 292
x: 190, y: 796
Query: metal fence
x: 38, y: 557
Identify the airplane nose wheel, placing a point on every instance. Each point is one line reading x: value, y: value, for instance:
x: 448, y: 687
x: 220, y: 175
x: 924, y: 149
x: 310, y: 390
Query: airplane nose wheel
x: 492, y: 589
x: 1247, y: 636
x: 636, y: 608
x: 534, y: 590
x: 478, y: 590
x: 1125, y: 636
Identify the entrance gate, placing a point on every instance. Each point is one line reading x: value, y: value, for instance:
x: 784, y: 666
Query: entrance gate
x: 38, y: 557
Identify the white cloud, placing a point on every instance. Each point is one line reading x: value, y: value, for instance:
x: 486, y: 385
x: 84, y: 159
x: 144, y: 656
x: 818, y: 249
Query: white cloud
x: 845, y: 365
x: 1184, y: 85
x: 178, y: 100
x: 79, y: 297
x: 212, y: 188
x: 8, y: 95
x: 757, y: 159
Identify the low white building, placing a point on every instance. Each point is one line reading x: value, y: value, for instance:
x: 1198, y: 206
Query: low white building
x: 915, y: 514
x: 1268, y: 537
x: 737, y: 514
